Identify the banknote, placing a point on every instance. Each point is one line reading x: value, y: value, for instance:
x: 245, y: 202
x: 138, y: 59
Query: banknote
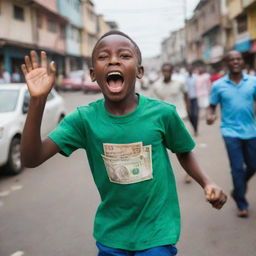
x: 123, y: 150
x: 147, y: 153
x: 128, y: 170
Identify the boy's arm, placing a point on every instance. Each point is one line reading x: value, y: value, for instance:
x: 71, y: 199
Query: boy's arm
x: 213, y: 193
x: 34, y: 151
x: 211, y: 114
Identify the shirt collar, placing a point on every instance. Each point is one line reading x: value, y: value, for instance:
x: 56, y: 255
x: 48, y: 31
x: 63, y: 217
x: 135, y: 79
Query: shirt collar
x: 226, y: 77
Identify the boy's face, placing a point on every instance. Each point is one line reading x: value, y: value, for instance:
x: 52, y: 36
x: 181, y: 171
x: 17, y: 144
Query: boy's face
x: 115, y: 67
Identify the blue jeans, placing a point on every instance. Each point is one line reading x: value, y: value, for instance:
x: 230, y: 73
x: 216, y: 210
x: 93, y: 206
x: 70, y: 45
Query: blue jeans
x: 167, y: 250
x: 193, y: 114
x: 242, y: 158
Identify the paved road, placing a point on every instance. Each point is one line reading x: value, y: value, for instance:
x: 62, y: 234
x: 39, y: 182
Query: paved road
x: 49, y: 210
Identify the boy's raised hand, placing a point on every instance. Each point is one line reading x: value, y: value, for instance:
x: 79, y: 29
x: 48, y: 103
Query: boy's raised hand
x: 39, y: 81
x: 215, y: 196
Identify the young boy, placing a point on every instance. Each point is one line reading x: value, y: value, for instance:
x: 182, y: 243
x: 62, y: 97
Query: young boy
x: 125, y: 136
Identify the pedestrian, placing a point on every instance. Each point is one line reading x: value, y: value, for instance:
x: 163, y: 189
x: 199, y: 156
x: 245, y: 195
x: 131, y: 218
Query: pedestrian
x: 6, y: 76
x: 192, y: 97
x: 125, y: 136
x: 203, y: 87
x: 1, y: 76
x: 216, y: 74
x: 248, y: 70
x: 236, y: 93
x: 172, y: 91
x: 16, y: 78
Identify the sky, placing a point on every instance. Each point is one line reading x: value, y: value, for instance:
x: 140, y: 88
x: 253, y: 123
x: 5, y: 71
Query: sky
x: 147, y: 22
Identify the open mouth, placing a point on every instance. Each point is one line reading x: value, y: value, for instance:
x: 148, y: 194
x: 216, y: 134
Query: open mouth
x: 115, y: 81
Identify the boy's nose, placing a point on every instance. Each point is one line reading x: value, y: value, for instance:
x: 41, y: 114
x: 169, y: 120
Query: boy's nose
x: 114, y: 60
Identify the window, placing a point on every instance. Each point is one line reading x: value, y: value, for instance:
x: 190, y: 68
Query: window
x: 62, y: 32
x: 50, y: 96
x: 18, y: 12
x: 52, y: 27
x: 242, y: 24
x: 213, y: 8
x: 39, y: 20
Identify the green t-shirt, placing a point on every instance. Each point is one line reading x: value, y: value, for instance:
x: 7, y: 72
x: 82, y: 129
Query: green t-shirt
x: 134, y: 214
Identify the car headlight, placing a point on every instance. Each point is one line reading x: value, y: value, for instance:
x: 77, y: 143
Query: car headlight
x: 1, y: 132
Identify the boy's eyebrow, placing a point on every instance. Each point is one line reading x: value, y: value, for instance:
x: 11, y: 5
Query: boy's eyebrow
x: 119, y: 50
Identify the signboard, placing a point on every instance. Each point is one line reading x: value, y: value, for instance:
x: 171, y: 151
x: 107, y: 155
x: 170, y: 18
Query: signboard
x: 243, y: 42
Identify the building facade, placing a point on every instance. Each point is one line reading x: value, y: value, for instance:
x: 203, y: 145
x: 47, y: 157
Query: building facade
x: 90, y: 29
x: 216, y: 27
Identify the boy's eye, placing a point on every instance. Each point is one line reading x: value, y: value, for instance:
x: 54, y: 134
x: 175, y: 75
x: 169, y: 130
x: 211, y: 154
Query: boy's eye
x: 102, y: 57
x: 125, y: 56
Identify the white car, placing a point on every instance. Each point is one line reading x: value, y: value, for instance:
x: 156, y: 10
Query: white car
x: 14, y: 100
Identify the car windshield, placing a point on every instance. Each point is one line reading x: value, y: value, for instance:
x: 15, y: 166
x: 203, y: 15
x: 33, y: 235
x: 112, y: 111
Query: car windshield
x: 8, y: 100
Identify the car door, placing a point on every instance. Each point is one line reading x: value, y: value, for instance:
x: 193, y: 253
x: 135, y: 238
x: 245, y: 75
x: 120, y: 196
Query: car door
x: 49, y: 117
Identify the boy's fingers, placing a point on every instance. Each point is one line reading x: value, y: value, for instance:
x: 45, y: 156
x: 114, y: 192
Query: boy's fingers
x: 52, y: 70
x: 24, y: 69
x: 43, y: 59
x: 28, y: 63
x: 34, y: 59
x: 52, y: 67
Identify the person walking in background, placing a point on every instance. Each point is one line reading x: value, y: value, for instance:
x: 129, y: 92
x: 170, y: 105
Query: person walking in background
x: 248, y: 70
x: 174, y: 92
x: 171, y: 91
x: 193, y: 111
x: 16, y: 78
x: 203, y: 87
x: 216, y: 74
x: 236, y: 93
x: 6, y: 76
x: 1, y: 76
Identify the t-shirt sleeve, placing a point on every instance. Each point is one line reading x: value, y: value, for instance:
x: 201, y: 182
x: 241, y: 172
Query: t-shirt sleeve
x: 214, y: 96
x: 177, y: 138
x: 69, y: 135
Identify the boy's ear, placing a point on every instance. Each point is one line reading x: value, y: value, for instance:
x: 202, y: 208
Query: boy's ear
x: 92, y: 75
x: 140, y: 72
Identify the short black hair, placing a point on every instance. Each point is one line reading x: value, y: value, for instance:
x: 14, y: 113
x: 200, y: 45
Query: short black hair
x: 167, y: 64
x: 117, y: 32
x: 226, y: 58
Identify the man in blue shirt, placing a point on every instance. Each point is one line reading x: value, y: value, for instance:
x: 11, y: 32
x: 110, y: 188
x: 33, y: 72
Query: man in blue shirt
x: 236, y: 93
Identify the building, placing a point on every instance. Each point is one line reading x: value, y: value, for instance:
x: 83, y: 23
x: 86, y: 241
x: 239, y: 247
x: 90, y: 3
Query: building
x: 102, y: 26
x: 15, y: 43
x: 242, y: 13
x: 72, y: 11
x: 49, y: 31
x: 66, y: 29
x: 194, y: 42
x: 90, y: 29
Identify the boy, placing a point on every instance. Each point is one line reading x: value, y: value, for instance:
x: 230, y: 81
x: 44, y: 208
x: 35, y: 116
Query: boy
x: 236, y: 93
x: 125, y: 136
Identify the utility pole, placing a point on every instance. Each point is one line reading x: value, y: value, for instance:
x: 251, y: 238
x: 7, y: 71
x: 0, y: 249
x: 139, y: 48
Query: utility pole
x: 185, y: 30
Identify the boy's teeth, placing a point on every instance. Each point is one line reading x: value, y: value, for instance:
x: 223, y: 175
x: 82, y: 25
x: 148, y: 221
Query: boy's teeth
x: 114, y: 73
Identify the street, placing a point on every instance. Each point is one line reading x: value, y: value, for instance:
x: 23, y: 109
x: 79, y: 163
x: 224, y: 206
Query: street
x: 50, y: 210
